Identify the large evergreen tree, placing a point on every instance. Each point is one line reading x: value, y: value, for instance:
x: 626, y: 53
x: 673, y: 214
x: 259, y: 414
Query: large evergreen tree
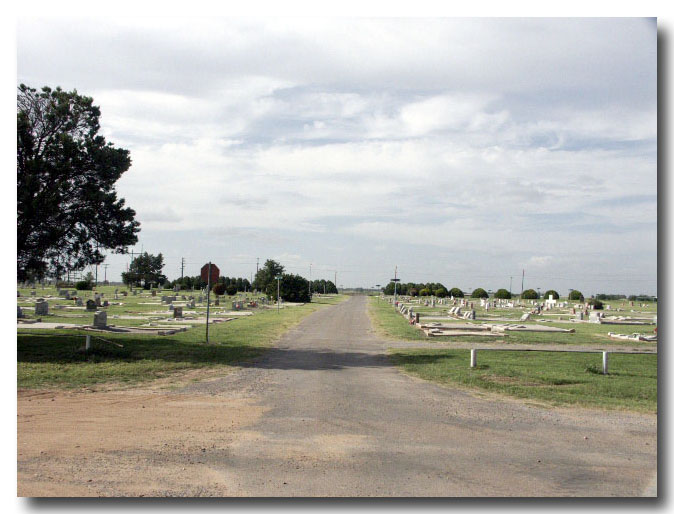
x: 67, y: 206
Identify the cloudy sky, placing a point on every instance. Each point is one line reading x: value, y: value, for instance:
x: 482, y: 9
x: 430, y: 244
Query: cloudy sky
x: 461, y: 151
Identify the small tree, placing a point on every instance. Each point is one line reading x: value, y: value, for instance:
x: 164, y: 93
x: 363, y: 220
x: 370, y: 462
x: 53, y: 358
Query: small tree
x: 555, y: 294
x: 441, y: 292
x: 145, y: 270
x: 231, y: 289
x: 456, y: 292
x: 576, y: 296
x: 294, y: 288
x: 479, y: 293
x: 425, y: 292
x: 218, y: 289
x: 503, y: 294
x: 413, y: 292
x: 529, y: 294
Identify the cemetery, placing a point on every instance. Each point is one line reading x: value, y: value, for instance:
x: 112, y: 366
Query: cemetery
x: 548, y: 350
x: 140, y: 334
x: 518, y: 321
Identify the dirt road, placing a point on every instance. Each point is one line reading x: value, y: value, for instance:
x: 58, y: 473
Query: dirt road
x: 325, y: 414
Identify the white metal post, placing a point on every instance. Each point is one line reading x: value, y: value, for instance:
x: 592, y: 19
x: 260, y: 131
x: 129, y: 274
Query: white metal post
x: 473, y: 358
x: 605, y: 362
x: 87, y: 345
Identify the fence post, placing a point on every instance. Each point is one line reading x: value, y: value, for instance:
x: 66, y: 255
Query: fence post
x: 87, y: 345
x: 604, y: 362
x: 473, y: 358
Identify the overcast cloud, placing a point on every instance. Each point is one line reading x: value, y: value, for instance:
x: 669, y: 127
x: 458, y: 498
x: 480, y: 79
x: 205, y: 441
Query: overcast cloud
x: 460, y: 150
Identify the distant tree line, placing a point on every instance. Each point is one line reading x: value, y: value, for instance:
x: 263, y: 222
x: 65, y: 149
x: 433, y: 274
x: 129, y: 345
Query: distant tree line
x: 412, y: 289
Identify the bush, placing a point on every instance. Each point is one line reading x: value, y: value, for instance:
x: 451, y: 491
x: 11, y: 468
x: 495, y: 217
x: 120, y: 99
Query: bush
x: 218, y: 289
x: 576, y: 296
x: 479, y: 293
x: 425, y: 292
x: 555, y: 294
x: 441, y: 293
x: 529, y: 294
x: 503, y: 294
x: 456, y: 292
x: 231, y: 289
x: 413, y: 292
x: 84, y: 285
x: 598, y: 305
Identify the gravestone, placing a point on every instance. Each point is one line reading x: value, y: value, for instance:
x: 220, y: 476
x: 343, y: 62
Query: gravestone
x: 154, y: 292
x: 171, y: 307
x: 41, y: 308
x: 177, y: 312
x: 18, y: 294
x: 106, y: 303
x: 19, y: 312
x: 78, y: 302
x: 191, y: 304
x: 124, y: 293
x: 134, y: 292
x: 91, y: 305
x: 97, y: 300
x: 67, y: 295
x: 525, y: 316
x: 100, y: 319
x: 217, y: 301
x: 33, y: 293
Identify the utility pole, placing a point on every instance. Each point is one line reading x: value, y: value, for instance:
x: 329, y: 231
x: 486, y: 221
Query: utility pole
x: 105, y: 276
x: 257, y: 266
x: 395, y: 281
x: 96, y: 279
x: 511, y: 286
x: 182, y: 268
x: 522, y: 284
x: 309, y: 281
x: 278, y: 294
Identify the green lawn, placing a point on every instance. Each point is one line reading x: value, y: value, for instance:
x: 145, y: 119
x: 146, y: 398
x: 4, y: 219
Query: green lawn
x: 556, y: 378
x: 55, y: 358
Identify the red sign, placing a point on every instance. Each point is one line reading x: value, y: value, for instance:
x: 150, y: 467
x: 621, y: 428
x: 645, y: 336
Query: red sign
x: 215, y: 273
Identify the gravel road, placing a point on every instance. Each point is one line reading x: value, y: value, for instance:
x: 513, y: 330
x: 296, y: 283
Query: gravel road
x: 340, y: 420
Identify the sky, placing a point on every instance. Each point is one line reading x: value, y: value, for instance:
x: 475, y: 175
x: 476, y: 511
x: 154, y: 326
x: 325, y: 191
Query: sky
x: 460, y: 151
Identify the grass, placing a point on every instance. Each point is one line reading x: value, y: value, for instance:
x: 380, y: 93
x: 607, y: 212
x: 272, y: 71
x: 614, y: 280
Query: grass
x: 55, y: 358
x: 555, y: 378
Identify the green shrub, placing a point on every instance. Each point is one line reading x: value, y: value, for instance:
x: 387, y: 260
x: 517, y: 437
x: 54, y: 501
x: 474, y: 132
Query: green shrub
x: 231, y: 289
x: 84, y: 285
x: 529, y: 294
x: 456, y: 292
x: 218, y: 289
x: 425, y: 292
x: 413, y: 292
x: 576, y: 296
x: 555, y: 294
x: 597, y: 304
x: 441, y: 293
x: 503, y: 294
x: 479, y: 293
